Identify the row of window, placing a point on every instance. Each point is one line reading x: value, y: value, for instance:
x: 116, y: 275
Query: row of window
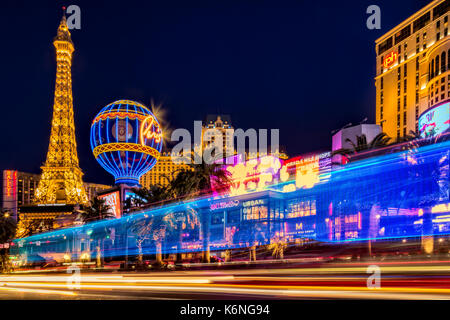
x: 439, y: 64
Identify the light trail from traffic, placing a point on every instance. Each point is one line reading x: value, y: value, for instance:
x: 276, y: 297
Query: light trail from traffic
x: 331, y: 282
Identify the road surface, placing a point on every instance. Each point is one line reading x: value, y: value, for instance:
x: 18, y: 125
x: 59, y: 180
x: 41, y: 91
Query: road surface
x: 398, y: 280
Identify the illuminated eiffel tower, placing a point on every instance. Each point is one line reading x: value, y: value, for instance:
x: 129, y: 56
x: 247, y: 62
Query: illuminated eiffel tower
x: 61, y: 179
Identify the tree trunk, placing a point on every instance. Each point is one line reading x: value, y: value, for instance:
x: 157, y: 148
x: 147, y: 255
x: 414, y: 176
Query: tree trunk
x: 253, y: 253
x: 159, y: 252
x: 427, y: 232
x: 99, y: 254
x: 180, y: 243
x: 205, y: 232
x: 140, y: 255
x: 227, y: 255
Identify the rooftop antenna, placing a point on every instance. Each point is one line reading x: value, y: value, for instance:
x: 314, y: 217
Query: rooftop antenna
x: 346, y: 126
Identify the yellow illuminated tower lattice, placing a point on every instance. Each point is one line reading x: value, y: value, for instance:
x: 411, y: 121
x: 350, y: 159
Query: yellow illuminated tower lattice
x: 61, y: 179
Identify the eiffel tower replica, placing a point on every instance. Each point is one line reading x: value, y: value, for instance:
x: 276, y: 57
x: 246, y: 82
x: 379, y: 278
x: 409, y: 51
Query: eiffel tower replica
x: 61, y: 180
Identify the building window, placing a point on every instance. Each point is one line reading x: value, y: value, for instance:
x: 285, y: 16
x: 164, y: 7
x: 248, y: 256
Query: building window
x: 436, y: 70
x: 405, y: 70
x: 404, y: 102
x: 404, y: 86
x: 381, y: 83
x: 399, y: 72
x: 432, y: 69
x: 398, y: 105
x: 404, y: 118
x: 443, y: 59
x: 438, y: 36
x: 417, y: 64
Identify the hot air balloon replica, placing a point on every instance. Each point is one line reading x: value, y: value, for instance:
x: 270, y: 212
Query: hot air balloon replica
x: 126, y: 140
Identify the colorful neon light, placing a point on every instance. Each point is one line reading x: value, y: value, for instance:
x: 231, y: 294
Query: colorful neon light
x: 435, y: 121
x: 150, y: 130
x: 126, y: 140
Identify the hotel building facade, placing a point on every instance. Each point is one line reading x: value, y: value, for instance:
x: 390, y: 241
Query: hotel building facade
x: 413, y: 69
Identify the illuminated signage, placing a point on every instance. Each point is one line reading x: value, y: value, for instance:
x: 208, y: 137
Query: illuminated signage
x: 390, y: 59
x: 224, y: 205
x: 113, y: 201
x: 253, y: 175
x: 150, y: 130
x: 11, y: 183
x: 10, y: 190
x: 307, y: 171
x: 435, y: 121
x: 252, y: 203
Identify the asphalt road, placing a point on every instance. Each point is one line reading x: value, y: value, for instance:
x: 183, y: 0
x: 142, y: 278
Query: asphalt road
x: 398, y: 280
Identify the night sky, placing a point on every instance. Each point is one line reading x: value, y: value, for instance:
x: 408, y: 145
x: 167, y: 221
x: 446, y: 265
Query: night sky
x: 305, y: 67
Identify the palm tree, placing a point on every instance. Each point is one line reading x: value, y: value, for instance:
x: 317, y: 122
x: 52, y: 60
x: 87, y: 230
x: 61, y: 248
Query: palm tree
x: 277, y: 247
x: 26, y: 228
x: 361, y: 145
x: 7, y: 231
x: 149, y: 228
x: 200, y: 180
x: 98, y: 210
x: 435, y: 175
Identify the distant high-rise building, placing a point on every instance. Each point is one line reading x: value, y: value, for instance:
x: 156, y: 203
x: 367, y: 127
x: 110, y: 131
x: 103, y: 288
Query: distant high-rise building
x: 413, y: 69
x: 218, y: 132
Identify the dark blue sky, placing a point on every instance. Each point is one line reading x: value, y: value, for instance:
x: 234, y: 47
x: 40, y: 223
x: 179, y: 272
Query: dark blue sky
x: 305, y: 67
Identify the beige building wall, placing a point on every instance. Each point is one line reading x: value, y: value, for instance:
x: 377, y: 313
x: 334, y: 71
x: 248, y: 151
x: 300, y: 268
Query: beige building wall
x: 163, y: 167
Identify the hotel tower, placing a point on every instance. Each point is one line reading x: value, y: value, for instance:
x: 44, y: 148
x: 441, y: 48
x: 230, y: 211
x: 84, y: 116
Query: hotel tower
x: 413, y: 69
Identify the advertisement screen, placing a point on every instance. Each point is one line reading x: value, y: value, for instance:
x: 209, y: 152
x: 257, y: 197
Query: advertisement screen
x: 113, y: 201
x: 435, y: 121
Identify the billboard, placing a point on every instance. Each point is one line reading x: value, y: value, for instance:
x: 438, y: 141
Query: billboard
x: 435, y: 121
x: 113, y: 201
